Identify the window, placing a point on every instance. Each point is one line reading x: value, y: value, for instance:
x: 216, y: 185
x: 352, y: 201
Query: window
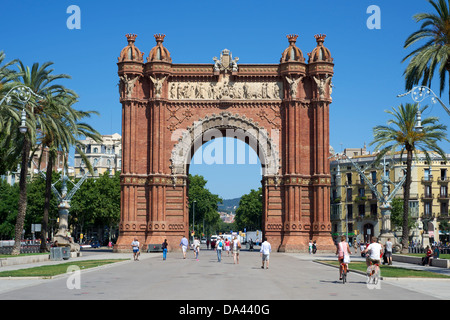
x: 427, y: 191
x: 444, y: 192
x: 374, y: 177
x: 427, y: 208
x: 443, y: 174
x: 95, y: 150
x: 349, y: 194
x: 349, y: 178
x: 350, y: 211
x: 414, y: 209
x: 361, y: 209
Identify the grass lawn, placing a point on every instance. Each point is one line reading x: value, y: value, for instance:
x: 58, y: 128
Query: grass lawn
x: 53, y: 270
x: 391, y: 272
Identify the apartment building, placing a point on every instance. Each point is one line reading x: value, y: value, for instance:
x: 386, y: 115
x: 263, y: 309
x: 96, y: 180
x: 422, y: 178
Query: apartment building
x: 108, y: 154
x: 354, y: 206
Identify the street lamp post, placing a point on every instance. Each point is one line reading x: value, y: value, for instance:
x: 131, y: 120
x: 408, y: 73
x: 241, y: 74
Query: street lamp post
x: 23, y: 95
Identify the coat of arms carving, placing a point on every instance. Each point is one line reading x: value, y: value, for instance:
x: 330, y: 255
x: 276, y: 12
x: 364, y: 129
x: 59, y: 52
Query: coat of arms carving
x: 226, y: 62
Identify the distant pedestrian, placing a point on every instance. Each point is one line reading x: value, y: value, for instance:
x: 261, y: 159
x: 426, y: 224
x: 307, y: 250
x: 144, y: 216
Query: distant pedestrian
x: 164, y: 247
x: 219, y: 247
x: 184, y: 246
x: 135, y: 246
x: 227, y: 246
x: 314, y: 247
x: 388, y: 251
x: 265, y: 253
x: 310, y: 246
x: 196, y: 248
x: 236, y: 249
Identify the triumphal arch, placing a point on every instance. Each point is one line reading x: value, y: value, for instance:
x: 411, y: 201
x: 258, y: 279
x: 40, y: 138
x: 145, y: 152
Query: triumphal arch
x: 281, y: 110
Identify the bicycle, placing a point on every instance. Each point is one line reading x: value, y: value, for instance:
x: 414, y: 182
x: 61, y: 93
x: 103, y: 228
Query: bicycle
x: 373, y: 273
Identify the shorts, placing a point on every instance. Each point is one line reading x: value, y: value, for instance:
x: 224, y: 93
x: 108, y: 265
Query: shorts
x: 227, y: 248
x: 135, y: 250
x: 374, y: 261
x: 265, y: 257
x: 184, y: 248
x: 388, y: 254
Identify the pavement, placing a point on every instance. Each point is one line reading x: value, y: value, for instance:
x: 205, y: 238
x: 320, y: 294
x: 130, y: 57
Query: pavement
x: 291, y: 276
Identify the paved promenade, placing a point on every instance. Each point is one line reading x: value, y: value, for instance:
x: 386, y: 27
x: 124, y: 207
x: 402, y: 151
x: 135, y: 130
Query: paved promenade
x: 291, y: 276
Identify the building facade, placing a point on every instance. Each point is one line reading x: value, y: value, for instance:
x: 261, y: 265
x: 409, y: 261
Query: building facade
x: 108, y: 154
x: 355, y: 209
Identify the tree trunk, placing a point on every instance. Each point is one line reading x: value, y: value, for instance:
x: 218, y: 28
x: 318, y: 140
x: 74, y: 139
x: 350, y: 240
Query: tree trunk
x: 406, y: 196
x: 48, y: 191
x: 22, y: 206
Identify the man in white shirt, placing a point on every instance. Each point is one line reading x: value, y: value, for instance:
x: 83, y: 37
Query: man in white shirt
x: 376, y: 251
x: 265, y: 252
x: 135, y: 246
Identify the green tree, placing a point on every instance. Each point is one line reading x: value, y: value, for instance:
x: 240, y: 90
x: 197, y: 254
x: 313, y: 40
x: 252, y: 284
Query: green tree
x: 9, y: 195
x: 8, y: 129
x: 107, y: 208
x: 205, y: 202
x: 60, y: 130
x: 400, y: 134
x: 249, y: 212
x: 42, y: 82
x: 435, y: 31
x: 397, y: 214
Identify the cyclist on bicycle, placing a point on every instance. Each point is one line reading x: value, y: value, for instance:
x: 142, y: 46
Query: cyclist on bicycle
x: 376, y: 252
x: 342, y: 249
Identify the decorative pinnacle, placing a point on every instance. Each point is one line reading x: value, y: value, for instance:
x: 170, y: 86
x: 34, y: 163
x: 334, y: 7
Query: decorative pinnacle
x: 159, y: 37
x: 292, y: 38
x: 320, y: 38
x: 131, y: 38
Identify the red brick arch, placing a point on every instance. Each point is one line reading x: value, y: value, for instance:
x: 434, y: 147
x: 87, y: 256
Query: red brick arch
x: 282, y: 110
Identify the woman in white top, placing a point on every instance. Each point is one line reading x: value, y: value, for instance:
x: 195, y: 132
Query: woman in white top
x: 236, y: 248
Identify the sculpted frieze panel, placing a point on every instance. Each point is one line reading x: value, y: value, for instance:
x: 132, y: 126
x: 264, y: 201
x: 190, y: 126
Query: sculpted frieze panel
x: 226, y: 90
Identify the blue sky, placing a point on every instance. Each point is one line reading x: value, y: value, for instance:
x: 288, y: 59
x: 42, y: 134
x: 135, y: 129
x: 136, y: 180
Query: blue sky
x: 368, y: 69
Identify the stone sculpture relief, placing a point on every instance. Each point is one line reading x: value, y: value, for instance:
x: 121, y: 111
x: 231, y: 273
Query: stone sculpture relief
x: 293, y: 86
x: 321, y: 83
x: 158, y: 86
x: 225, y: 90
x: 128, y: 84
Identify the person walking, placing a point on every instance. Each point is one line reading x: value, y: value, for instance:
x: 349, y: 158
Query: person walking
x: 164, y: 247
x: 227, y: 246
x: 265, y: 253
x: 219, y: 247
x: 196, y: 248
x: 135, y: 246
x: 184, y: 246
x: 236, y: 249
x: 388, y: 251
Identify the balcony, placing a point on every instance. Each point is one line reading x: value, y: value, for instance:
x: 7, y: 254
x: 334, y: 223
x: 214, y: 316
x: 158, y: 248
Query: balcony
x: 443, y: 197
x: 443, y: 180
x: 427, y: 196
x: 427, y: 179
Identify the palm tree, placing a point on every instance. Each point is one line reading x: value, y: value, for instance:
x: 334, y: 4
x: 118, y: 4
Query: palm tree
x: 401, y: 134
x: 60, y: 132
x: 435, y: 30
x: 8, y: 128
x: 41, y: 81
